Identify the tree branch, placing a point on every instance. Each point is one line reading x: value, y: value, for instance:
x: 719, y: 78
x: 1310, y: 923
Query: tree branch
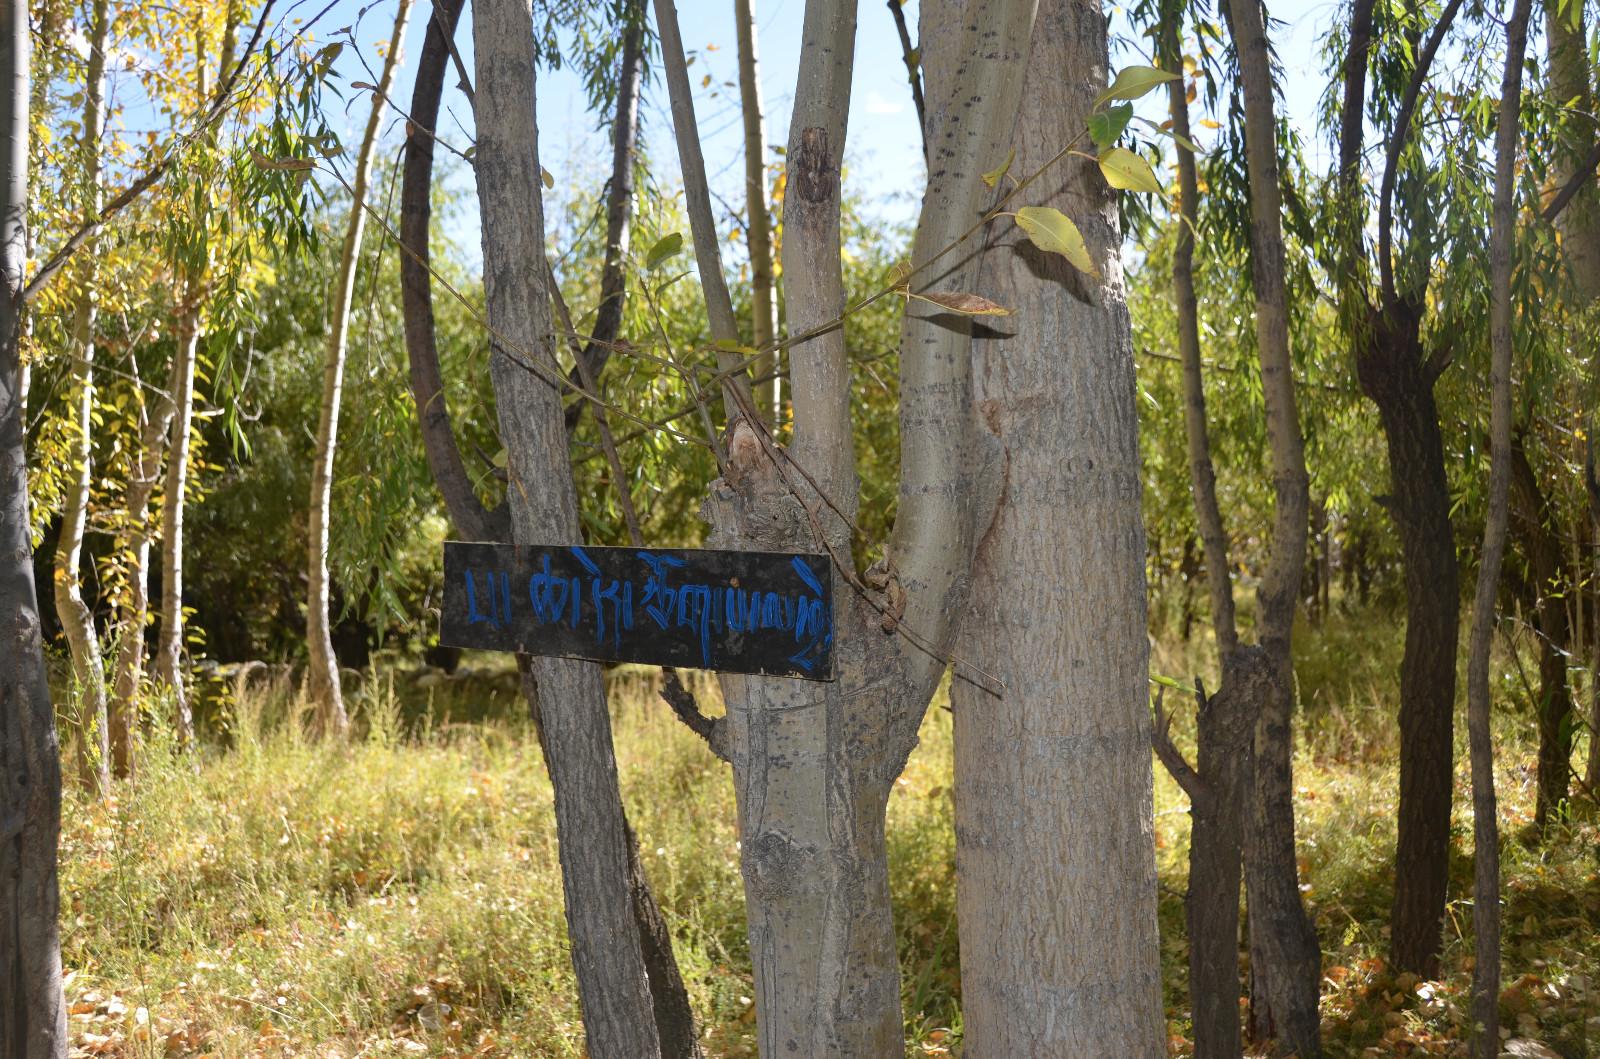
x: 1171, y: 757
x: 619, y: 212
x: 90, y: 227
x: 702, y: 224
x: 472, y: 518
x: 1580, y: 176
x: 913, y: 71
x: 1397, y: 141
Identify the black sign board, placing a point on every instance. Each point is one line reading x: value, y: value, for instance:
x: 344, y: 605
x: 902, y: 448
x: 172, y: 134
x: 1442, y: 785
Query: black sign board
x: 737, y: 612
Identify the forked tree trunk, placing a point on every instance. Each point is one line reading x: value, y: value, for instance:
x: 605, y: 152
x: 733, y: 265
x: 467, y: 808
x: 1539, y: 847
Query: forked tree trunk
x: 1486, y: 825
x: 323, y: 676
x: 1055, y: 862
x: 814, y: 763
x: 614, y: 991
x: 758, y: 227
x: 33, y: 1012
x: 169, y: 667
x: 77, y: 618
x: 1219, y: 791
x: 1284, y: 958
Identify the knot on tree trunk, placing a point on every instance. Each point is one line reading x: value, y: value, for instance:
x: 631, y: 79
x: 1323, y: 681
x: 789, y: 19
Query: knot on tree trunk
x: 752, y: 506
x: 776, y: 866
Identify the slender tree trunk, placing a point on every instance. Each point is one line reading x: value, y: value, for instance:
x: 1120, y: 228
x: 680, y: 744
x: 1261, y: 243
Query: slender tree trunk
x: 758, y: 227
x: 33, y: 1012
x: 472, y: 519
x: 1549, y: 583
x: 134, y: 543
x: 1056, y: 866
x: 1486, y: 824
x: 1571, y: 84
x: 1225, y: 726
x: 595, y: 352
x: 613, y: 987
x: 169, y: 667
x: 1202, y: 475
x: 323, y: 677
x: 77, y: 618
x: 1284, y: 958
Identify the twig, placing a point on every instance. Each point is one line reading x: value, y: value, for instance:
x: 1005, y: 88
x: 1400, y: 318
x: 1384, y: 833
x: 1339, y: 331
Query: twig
x: 913, y: 69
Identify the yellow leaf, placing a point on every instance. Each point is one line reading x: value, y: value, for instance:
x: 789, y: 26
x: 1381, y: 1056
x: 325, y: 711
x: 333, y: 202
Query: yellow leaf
x: 1053, y: 231
x: 1125, y: 170
x: 992, y: 177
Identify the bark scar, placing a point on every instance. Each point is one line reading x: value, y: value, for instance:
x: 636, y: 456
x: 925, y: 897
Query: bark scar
x: 813, y: 174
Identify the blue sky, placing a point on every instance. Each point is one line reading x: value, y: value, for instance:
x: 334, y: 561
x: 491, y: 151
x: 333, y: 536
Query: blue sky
x: 883, y: 154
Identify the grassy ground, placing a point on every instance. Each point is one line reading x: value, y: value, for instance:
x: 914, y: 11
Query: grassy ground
x: 400, y: 896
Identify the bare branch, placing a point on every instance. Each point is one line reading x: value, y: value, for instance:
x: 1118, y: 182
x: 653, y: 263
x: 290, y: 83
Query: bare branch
x: 913, y: 69
x: 1574, y: 184
x: 1171, y: 757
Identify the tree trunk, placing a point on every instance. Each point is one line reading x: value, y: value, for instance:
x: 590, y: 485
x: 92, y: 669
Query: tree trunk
x: 323, y: 676
x: 613, y: 988
x: 33, y: 1012
x: 1549, y: 582
x: 472, y: 519
x: 1202, y: 475
x: 758, y: 227
x: 77, y: 618
x: 134, y: 545
x: 814, y: 762
x: 1284, y: 958
x: 1398, y: 378
x: 169, y: 645
x: 1486, y: 825
x: 1056, y: 866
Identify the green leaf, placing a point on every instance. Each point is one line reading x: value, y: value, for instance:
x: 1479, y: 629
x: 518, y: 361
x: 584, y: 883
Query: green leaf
x: 1106, y: 126
x: 666, y: 247
x: 992, y: 177
x: 1182, y: 141
x: 1126, y: 170
x: 1053, y: 232
x: 1133, y: 82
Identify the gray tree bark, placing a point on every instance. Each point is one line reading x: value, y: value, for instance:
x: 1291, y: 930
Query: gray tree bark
x: 1285, y: 961
x: 1486, y: 824
x: 33, y: 1012
x: 617, y: 1013
x: 77, y: 619
x: 814, y: 763
x: 323, y: 676
x: 758, y: 226
x: 1055, y: 853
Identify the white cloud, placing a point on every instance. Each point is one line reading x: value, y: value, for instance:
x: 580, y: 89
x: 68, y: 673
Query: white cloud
x: 876, y: 104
